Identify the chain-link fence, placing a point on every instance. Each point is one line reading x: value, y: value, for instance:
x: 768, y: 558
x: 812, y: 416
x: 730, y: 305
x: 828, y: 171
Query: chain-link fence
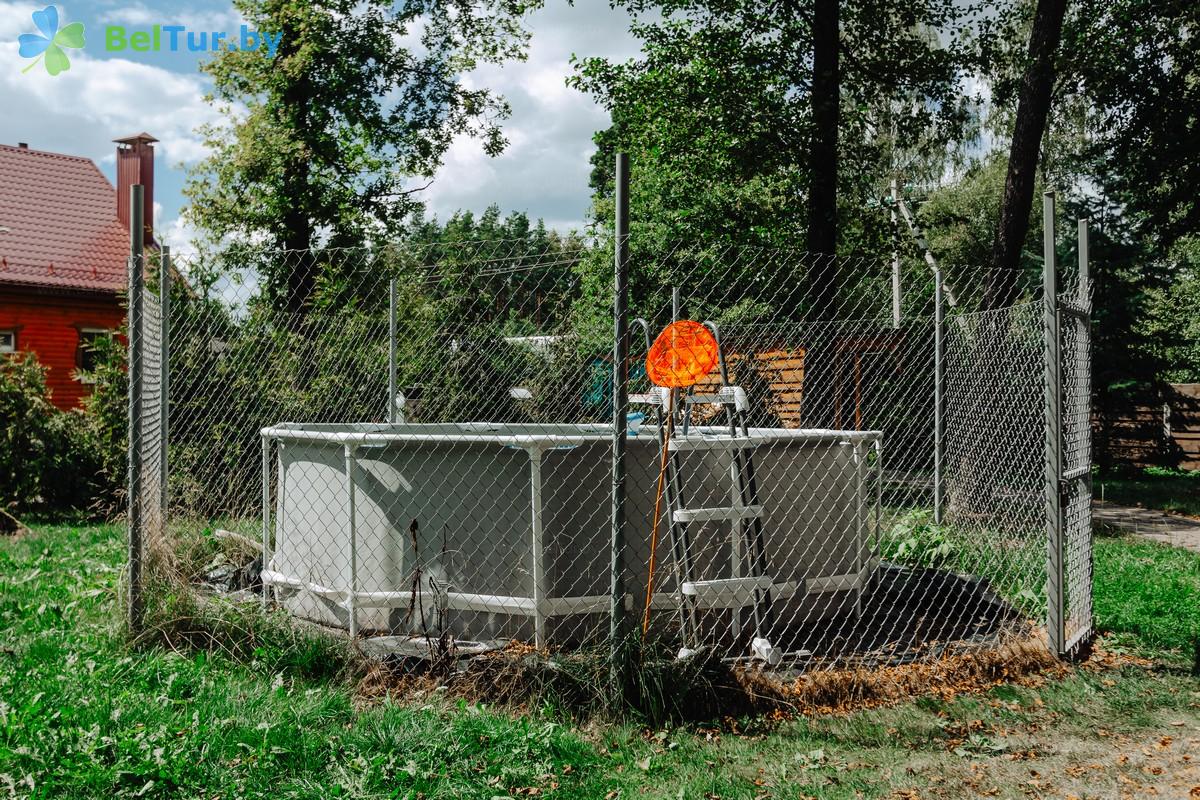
x: 417, y: 443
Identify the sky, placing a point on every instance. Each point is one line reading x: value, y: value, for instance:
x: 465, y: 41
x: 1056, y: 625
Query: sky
x: 106, y: 95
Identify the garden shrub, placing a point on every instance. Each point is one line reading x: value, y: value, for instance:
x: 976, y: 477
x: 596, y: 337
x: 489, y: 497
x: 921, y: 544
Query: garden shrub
x: 26, y: 434
x: 52, y: 460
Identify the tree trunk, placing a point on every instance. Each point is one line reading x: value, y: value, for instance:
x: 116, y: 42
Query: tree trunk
x: 822, y: 205
x: 1033, y: 107
x: 822, y: 270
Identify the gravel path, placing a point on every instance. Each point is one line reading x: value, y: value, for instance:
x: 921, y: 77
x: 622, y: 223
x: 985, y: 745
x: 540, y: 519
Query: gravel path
x: 1169, y: 528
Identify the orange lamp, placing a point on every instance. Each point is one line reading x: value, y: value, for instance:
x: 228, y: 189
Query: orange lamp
x: 681, y: 355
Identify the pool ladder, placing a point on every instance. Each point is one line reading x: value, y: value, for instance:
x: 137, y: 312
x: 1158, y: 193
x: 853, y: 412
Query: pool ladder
x: 744, y: 513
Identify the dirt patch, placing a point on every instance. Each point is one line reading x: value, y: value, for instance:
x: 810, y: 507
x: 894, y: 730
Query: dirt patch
x: 704, y: 688
x: 10, y: 525
x: 1163, y: 763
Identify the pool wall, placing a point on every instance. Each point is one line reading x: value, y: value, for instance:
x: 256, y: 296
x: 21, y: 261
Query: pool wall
x: 458, y: 501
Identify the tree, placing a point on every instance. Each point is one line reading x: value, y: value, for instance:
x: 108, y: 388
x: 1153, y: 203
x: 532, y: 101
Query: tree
x: 823, y: 158
x: 1032, y: 109
x: 1134, y: 66
x: 321, y: 145
x: 720, y: 114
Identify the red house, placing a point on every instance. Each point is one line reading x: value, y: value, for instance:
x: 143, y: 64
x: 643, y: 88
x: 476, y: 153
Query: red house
x: 64, y: 246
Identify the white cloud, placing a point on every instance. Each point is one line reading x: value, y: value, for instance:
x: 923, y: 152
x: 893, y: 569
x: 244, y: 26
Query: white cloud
x: 141, y: 15
x: 81, y: 110
x: 544, y: 170
x: 180, y: 234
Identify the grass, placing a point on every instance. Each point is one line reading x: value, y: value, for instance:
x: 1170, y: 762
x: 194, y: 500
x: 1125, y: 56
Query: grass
x: 1171, y: 490
x: 1147, y: 593
x: 84, y: 715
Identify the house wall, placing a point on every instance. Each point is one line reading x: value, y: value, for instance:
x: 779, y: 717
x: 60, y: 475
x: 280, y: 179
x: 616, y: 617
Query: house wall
x: 49, y: 324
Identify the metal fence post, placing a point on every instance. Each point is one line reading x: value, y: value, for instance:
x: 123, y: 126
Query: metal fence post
x: 164, y: 289
x: 895, y: 192
x: 134, y: 477
x: 939, y: 379
x: 266, y: 518
x: 620, y: 397
x: 350, y: 451
x: 1055, y: 596
x: 391, y: 411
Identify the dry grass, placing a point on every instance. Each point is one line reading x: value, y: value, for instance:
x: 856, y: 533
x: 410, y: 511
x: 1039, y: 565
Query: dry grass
x: 704, y: 688
x: 845, y: 690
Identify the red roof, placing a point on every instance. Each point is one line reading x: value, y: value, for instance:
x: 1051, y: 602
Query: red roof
x: 60, y: 213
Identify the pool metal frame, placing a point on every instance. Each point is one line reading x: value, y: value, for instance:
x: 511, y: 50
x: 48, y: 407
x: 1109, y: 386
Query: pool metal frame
x: 538, y: 606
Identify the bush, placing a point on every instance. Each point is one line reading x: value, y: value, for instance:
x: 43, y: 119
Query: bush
x: 27, y: 437
x: 916, y: 541
x: 56, y: 460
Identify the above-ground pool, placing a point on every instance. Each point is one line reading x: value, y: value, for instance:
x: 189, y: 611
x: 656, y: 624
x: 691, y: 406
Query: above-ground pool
x: 499, y: 531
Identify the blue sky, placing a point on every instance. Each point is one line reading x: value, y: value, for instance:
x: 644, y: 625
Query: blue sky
x: 106, y: 95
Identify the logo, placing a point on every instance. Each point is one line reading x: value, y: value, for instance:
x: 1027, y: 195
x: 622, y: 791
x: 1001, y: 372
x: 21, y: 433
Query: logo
x: 47, y: 47
x: 172, y: 38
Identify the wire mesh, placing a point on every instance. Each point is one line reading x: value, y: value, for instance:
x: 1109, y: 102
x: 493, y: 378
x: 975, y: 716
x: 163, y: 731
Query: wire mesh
x: 1075, y: 333
x: 840, y: 488
x: 151, y: 445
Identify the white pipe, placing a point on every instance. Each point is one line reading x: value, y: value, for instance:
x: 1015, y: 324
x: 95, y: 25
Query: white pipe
x: 539, y: 566
x: 352, y: 593
x: 858, y: 526
x: 281, y: 490
x: 878, y: 494
x: 266, y: 513
x: 552, y: 606
x: 546, y: 441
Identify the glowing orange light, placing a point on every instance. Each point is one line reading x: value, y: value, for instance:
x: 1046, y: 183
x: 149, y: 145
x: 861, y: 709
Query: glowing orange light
x: 681, y: 355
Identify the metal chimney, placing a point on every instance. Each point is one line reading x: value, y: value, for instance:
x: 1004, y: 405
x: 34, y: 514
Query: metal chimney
x: 135, y: 164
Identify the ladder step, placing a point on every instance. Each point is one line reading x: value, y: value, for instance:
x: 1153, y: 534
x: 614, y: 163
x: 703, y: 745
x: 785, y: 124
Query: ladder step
x: 681, y: 443
x: 656, y: 397
x: 722, y: 513
x: 727, y: 592
x: 729, y: 395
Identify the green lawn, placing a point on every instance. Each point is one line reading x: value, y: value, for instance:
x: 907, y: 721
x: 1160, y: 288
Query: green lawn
x: 1176, y: 491
x: 1147, y: 594
x: 82, y: 716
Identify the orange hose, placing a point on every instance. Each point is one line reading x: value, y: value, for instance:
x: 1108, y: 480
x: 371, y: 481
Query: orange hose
x: 658, y: 495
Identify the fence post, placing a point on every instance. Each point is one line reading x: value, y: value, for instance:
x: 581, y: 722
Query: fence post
x: 391, y: 408
x: 134, y: 477
x: 939, y: 380
x: 620, y: 396
x: 266, y: 519
x: 1055, y: 595
x: 895, y: 192
x: 164, y: 289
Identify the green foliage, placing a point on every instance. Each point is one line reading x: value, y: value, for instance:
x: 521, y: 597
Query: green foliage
x: 463, y: 287
x: 1147, y: 592
x: 50, y: 459
x: 102, y: 426
x: 83, y: 716
x: 960, y: 224
x: 321, y: 143
x: 1131, y: 66
x: 1171, y: 323
x: 716, y: 116
x: 915, y: 540
x: 26, y: 440
x: 1171, y: 490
